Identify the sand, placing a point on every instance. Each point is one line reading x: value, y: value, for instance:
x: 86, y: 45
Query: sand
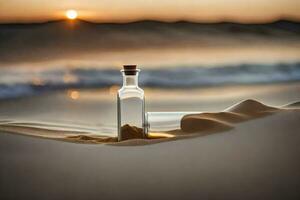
x: 245, y: 110
x: 256, y: 155
x: 131, y: 132
x: 192, y: 125
x: 257, y: 159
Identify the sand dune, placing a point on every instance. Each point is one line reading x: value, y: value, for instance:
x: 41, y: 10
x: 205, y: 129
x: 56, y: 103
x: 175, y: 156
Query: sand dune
x: 292, y: 105
x: 192, y: 125
x: 246, y: 110
x: 251, y: 108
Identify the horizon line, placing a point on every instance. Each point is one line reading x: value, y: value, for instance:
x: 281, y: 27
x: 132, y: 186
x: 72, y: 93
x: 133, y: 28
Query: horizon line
x: 283, y: 18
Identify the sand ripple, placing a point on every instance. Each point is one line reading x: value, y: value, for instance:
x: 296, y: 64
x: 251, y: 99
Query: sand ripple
x: 192, y: 125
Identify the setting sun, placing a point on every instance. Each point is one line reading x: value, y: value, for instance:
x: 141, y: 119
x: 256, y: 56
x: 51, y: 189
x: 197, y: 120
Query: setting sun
x: 71, y: 14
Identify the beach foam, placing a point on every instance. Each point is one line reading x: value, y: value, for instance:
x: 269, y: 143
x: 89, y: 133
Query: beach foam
x: 15, y: 82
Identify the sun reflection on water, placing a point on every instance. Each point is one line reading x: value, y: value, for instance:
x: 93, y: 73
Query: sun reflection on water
x: 73, y: 94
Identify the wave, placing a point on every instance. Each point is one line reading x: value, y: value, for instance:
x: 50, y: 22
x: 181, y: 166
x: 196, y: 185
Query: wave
x: 16, y: 82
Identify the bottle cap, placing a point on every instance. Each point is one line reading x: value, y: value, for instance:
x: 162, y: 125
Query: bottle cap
x: 130, y: 69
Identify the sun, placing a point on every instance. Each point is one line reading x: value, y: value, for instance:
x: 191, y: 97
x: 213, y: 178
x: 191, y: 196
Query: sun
x: 71, y: 14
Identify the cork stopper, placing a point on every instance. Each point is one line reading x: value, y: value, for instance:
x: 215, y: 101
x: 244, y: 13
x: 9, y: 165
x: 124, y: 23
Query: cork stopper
x: 130, y: 69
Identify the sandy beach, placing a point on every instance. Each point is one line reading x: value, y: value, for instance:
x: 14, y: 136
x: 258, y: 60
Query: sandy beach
x: 236, y: 149
x: 149, y: 100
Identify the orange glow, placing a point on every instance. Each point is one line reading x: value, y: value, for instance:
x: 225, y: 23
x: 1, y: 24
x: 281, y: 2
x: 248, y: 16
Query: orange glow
x: 116, y: 11
x: 71, y: 14
x: 74, y: 94
x: 157, y: 135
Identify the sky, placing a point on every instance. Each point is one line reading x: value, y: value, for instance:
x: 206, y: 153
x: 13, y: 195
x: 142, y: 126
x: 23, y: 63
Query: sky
x: 166, y: 10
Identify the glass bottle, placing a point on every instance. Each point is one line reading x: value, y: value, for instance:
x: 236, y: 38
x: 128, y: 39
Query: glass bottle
x: 131, y: 106
x: 158, y: 122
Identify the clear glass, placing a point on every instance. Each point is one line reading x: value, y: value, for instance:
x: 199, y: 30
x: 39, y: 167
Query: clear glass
x: 131, y: 107
x: 157, y: 122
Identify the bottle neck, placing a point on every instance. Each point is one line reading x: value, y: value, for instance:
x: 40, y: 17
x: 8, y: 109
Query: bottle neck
x: 130, y: 80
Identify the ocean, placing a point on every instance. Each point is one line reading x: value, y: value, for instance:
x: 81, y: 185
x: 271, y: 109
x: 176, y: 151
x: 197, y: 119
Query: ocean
x: 20, y: 82
x: 58, y: 55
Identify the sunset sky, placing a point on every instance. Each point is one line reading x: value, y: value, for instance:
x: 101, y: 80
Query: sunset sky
x: 168, y: 10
